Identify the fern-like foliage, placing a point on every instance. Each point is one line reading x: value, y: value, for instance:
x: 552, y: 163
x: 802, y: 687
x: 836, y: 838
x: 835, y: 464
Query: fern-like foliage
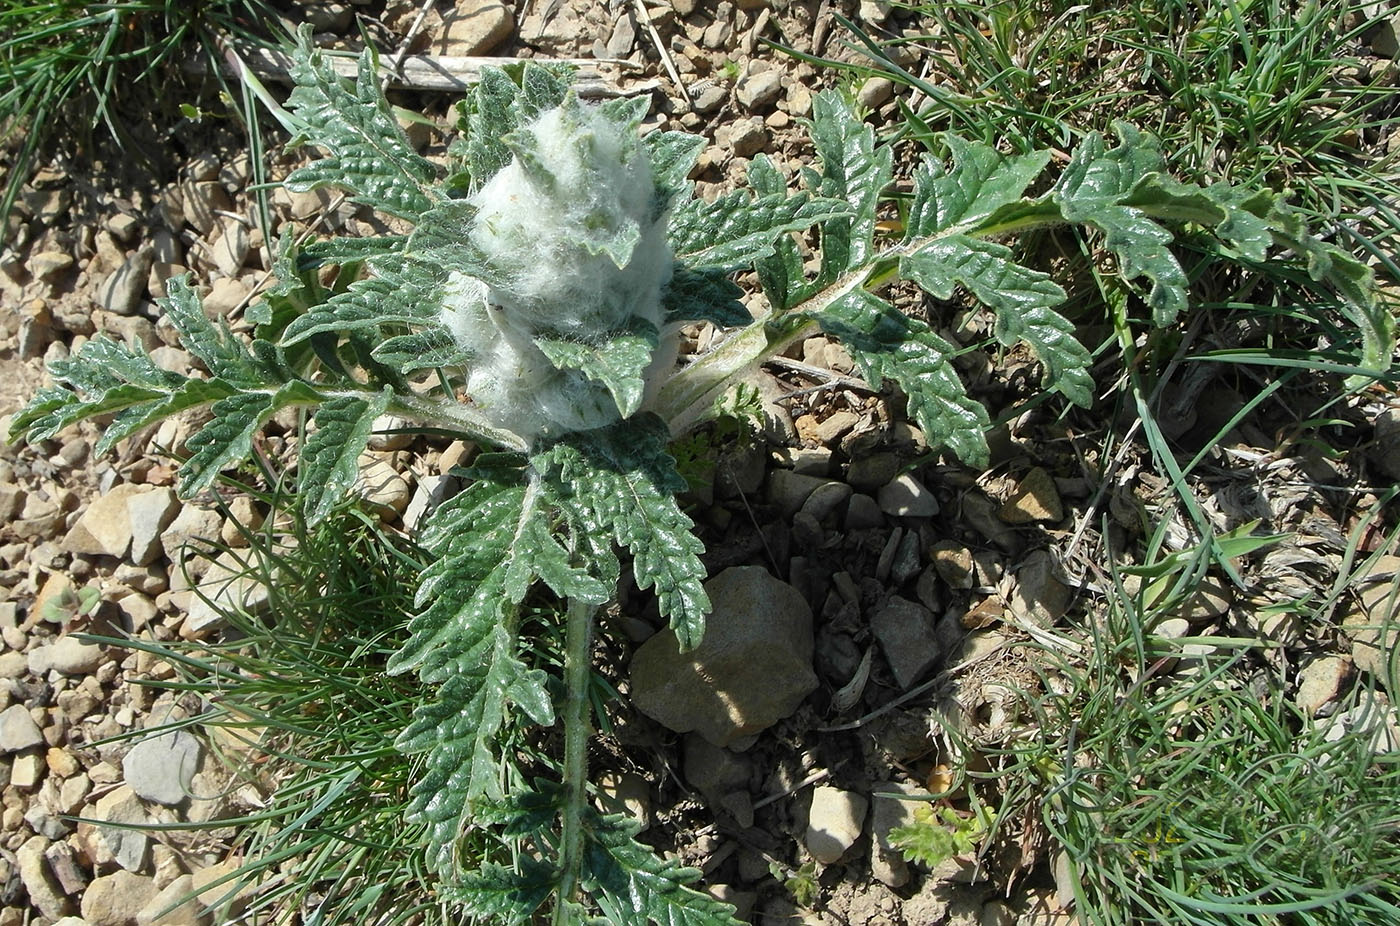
x: 532, y: 305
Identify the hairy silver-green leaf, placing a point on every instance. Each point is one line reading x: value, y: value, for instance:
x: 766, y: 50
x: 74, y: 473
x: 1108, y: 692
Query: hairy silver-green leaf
x: 1091, y: 191
x: 426, y: 349
x: 1022, y: 299
x: 980, y: 181
x: 854, y: 169
x: 705, y: 295
x: 225, y: 440
x: 502, y: 896
x: 887, y: 344
x: 631, y: 885
x: 617, y: 361
x: 219, y: 349
x: 329, y: 460
x: 736, y: 229
x: 369, y: 154
x: 619, y: 480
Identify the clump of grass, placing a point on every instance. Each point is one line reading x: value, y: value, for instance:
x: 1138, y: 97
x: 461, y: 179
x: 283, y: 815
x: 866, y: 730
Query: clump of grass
x: 301, y: 692
x: 66, y: 66
x: 1260, y: 92
x: 1184, y: 786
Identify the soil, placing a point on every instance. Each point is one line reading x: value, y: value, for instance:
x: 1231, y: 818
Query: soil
x: 1005, y: 554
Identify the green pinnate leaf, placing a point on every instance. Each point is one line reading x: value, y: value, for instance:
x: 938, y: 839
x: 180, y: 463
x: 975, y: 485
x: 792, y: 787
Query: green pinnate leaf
x: 736, y: 229
x: 192, y: 393
x: 422, y: 350
x: 672, y: 156
x: 780, y: 275
x: 632, y: 885
x: 616, y: 361
x: 329, y: 460
x: 215, y: 345
x: 1092, y: 190
x: 504, y: 896
x: 705, y: 295
x: 226, y: 440
x: 620, y: 481
x: 1022, y: 299
x: 980, y: 181
x: 369, y: 305
x: 887, y: 344
x: 369, y: 155
x: 855, y: 170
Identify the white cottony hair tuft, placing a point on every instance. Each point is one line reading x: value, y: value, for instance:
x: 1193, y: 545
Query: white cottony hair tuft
x: 576, y: 249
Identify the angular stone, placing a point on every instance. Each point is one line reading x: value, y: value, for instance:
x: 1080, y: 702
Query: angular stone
x: 906, y: 497
x: 148, y: 514
x: 887, y: 863
x: 790, y: 491
x: 382, y: 488
x: 834, y: 822
x: 44, y: 894
x: 117, y: 899
x: 474, y: 27
x: 160, y: 769
x: 1039, y: 597
x: 905, y: 630
x: 121, y: 292
x: 162, y: 909
x: 227, y: 586
x: 1036, y: 499
x: 1322, y: 682
x: 231, y: 250
x: 18, y: 730
x: 759, y: 91
x: 953, y: 562
x: 104, y: 528
x: 225, y: 295
x: 68, y: 655
x: 753, y: 667
x: 127, y: 843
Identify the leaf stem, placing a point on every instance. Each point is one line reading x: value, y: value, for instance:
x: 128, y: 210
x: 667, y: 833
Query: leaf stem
x: 578, y: 645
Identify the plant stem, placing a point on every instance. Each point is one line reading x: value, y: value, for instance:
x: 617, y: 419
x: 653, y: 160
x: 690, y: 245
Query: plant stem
x: 578, y: 645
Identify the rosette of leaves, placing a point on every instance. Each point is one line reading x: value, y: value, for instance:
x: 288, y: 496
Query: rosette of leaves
x: 544, y: 333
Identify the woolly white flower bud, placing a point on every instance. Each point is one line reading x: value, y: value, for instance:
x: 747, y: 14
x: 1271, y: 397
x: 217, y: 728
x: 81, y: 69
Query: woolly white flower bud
x: 576, y: 251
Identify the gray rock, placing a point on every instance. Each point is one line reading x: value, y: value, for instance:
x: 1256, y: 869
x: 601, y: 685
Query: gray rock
x: 759, y: 91
x: 825, y: 499
x: 869, y: 473
x: 13, y: 665
x: 1039, y: 597
x: 474, y: 27
x: 1036, y: 499
x: 907, y: 636
x: 227, y: 585
x: 887, y: 863
x: 748, y: 138
x: 382, y: 488
x: 863, y: 513
x: 708, y: 97
x: 47, y: 265
x: 1322, y: 682
x: 713, y: 770
x: 907, y: 559
x: 753, y: 668
x: 18, y: 730
x: 121, y: 292
x: 67, y: 655
x: 38, y: 880
x: 162, y: 909
x: 875, y: 92
x: 191, y: 526
x: 906, y: 497
x: 834, y: 822
x: 104, y: 528
x: 399, y: 438
x: 231, y: 250
x: 160, y: 769
x: 225, y: 295
x: 790, y: 491
x: 327, y: 16
x: 127, y: 842
x: 1384, y: 452
x: 149, y: 513
x: 117, y: 899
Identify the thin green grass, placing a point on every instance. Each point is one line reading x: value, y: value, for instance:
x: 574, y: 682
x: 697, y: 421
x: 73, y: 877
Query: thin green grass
x: 67, y: 67
x: 301, y: 705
